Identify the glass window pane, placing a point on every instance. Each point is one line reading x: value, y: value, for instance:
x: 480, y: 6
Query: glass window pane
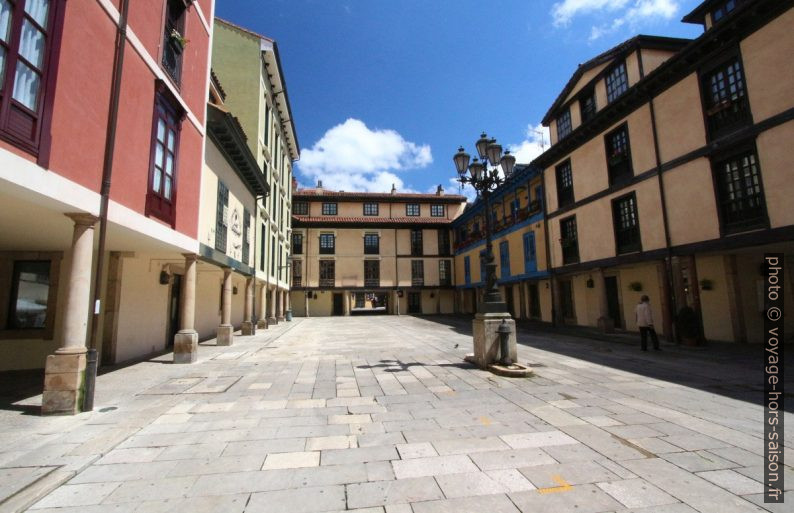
x: 157, y: 178
x: 158, y: 154
x: 38, y: 10
x: 5, y: 19
x: 161, y: 130
x: 167, y: 190
x: 32, y: 282
x: 171, y: 138
x: 169, y: 164
x: 2, y: 65
x: 31, y: 45
x: 26, y: 86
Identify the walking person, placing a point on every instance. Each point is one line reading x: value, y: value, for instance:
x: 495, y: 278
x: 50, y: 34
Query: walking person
x: 645, y: 323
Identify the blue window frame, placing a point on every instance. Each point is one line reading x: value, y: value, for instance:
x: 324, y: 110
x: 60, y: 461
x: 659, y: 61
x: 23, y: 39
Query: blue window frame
x: 539, y: 195
x: 530, y: 254
x: 467, y: 269
x: 504, y: 259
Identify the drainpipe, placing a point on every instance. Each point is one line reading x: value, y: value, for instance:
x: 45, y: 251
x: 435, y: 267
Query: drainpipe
x: 549, y: 267
x: 107, y: 172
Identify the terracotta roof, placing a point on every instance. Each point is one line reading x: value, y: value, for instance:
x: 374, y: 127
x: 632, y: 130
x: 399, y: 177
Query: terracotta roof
x: 314, y: 193
x: 370, y: 220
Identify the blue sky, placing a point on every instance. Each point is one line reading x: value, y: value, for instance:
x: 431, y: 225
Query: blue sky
x: 384, y: 91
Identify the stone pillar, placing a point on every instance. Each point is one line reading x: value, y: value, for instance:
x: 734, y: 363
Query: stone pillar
x: 64, y: 374
x: 346, y: 302
x: 396, y: 303
x: 226, y: 330
x: 262, y: 322
x: 248, y: 327
x: 280, y: 305
x: 605, y: 322
x: 306, y: 303
x: 271, y: 318
x: 186, y: 340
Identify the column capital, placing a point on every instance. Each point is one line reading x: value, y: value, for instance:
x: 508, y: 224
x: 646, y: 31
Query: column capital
x: 190, y: 256
x: 81, y: 218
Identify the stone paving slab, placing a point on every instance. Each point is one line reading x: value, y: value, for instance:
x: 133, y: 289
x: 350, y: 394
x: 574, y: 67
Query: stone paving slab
x: 346, y: 414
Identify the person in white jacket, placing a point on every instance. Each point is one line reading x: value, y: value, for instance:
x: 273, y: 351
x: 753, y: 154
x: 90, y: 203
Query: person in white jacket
x: 645, y: 324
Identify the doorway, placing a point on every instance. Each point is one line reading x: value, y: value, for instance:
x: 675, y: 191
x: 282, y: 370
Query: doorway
x: 174, y: 307
x: 339, y: 308
x: 534, y: 301
x: 414, y: 302
x: 613, y: 300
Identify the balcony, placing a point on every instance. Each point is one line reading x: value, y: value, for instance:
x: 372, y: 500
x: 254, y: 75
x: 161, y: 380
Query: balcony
x: 507, y: 222
x: 417, y: 282
x: 372, y: 282
x: 296, y: 281
x: 327, y: 282
x: 727, y: 116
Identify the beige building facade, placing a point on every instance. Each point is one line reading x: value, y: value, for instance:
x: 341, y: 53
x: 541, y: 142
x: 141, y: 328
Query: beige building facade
x: 370, y: 252
x: 668, y: 176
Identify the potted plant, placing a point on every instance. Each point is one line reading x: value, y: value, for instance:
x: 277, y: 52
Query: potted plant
x: 635, y: 286
x: 178, y: 41
x: 688, y: 326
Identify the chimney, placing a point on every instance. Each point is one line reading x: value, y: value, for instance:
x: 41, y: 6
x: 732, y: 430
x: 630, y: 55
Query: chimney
x: 393, y: 189
x: 440, y: 190
x: 319, y: 184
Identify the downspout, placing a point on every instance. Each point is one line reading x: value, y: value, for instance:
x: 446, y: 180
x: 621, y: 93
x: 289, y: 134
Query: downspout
x: 549, y: 267
x: 107, y: 172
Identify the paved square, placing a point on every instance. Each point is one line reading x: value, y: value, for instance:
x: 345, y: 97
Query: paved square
x: 382, y: 415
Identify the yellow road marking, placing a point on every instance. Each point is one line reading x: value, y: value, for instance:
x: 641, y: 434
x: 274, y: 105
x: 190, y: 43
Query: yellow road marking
x: 564, y: 486
x: 485, y: 421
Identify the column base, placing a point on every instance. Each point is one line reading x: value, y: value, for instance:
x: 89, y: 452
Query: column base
x: 272, y: 321
x: 261, y: 324
x: 486, y: 338
x: 225, y: 335
x: 281, y: 318
x: 248, y: 329
x: 186, y: 347
x: 64, y: 384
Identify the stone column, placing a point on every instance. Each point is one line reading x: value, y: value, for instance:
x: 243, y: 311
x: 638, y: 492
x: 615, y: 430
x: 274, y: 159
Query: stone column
x: 186, y: 340
x: 280, y: 305
x: 346, y: 302
x: 226, y: 330
x: 288, y: 298
x: 248, y: 324
x: 262, y: 322
x: 605, y: 322
x: 271, y: 318
x: 64, y: 374
x: 306, y: 303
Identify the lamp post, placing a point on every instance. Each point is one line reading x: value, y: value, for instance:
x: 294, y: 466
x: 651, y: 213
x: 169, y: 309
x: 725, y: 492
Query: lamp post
x: 484, y: 181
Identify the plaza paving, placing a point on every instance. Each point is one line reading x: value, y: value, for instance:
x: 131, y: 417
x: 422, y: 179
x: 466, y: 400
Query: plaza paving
x: 380, y: 414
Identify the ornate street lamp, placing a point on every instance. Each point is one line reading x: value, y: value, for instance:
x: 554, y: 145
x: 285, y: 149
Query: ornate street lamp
x: 485, y: 180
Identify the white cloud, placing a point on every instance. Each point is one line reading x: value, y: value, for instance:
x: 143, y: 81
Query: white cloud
x: 535, y: 142
x: 353, y: 157
x: 632, y: 13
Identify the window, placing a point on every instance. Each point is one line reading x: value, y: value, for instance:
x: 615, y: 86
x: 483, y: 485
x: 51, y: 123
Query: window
x: 467, y: 269
x: 30, y: 289
x: 262, y: 246
x: 417, y: 273
x: 739, y: 193
x: 26, y: 35
x: 297, y: 243
x: 370, y: 209
x: 266, y: 127
x: 412, y: 209
x: 564, y: 184
x: 564, y: 124
x: 569, y: 240
x: 300, y: 208
x: 161, y: 198
x: 587, y: 105
x: 443, y: 242
x: 221, y: 217
x: 504, y: 259
x: 627, y: 227
x: 327, y: 244
x: 174, y: 38
x: 273, y: 254
x: 297, y: 273
x: 372, y: 273
x: 725, y: 99
x: 530, y: 253
x: 436, y: 211
x: 618, y: 155
x: 617, y: 82
x: 246, y: 237
x: 329, y: 209
x: 566, y: 300
x: 416, y: 242
x: 327, y: 273
x: 371, y: 244
x: 445, y: 273
x: 722, y: 10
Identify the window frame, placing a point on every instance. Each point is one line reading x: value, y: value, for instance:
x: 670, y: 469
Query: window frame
x: 587, y: 113
x: 246, y: 247
x: 565, y: 196
x: 221, y: 217
x: 572, y: 256
x: 616, y: 86
x: 619, y: 166
x: 16, y: 272
x: 371, y: 272
x: 417, y: 273
x: 634, y: 245
x: 297, y: 243
x: 564, y: 124
x: 371, y: 249
x: 742, y: 113
x: 328, y: 210
x: 323, y: 247
x: 324, y: 266
x: 530, y: 252
x: 444, y: 242
x: 504, y: 259
x: 445, y: 272
x: 747, y: 224
x: 156, y: 202
x: 371, y: 209
x: 417, y: 242
x: 409, y: 208
x: 300, y: 208
x: 467, y: 270
x: 437, y: 210
x: 169, y: 47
